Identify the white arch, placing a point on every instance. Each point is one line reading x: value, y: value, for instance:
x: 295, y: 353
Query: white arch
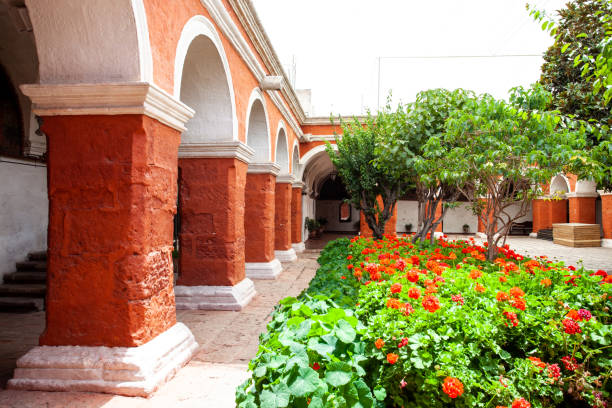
x: 281, y: 149
x: 559, y: 183
x: 311, y: 154
x: 257, y: 96
x: 295, y: 158
x: 194, y: 28
x: 91, y: 42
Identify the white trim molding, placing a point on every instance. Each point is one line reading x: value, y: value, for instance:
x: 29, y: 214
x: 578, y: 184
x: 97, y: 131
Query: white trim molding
x: 257, y: 95
x: 144, y: 45
x: 132, y: 371
x: 606, y: 243
x: 285, y: 179
x: 215, y: 297
x: 225, y: 150
x: 108, y: 99
x: 264, y: 168
x: 263, y: 270
x: 582, y: 195
x: 299, y: 247
x: 298, y: 184
x: 288, y: 255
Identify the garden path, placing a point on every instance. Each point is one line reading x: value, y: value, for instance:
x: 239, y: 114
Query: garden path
x: 228, y: 340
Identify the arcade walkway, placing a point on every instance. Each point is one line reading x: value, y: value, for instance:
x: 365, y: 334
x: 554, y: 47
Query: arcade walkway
x: 228, y: 341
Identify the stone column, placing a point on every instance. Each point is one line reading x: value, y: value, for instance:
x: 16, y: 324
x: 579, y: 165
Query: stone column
x: 282, y: 218
x: 557, y: 211
x: 297, y: 227
x: 110, y: 313
x: 261, y: 263
x: 606, y: 219
x: 211, y: 200
x: 541, y: 214
x: 582, y: 207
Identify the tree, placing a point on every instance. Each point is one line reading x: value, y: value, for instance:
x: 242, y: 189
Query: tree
x: 404, y: 153
x: 365, y: 174
x: 578, y: 65
x: 505, y: 152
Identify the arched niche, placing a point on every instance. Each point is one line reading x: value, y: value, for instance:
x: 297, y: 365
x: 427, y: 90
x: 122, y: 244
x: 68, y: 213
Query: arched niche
x: 202, y: 81
x: 295, y: 160
x: 282, y: 151
x: 258, y: 135
x: 559, y: 185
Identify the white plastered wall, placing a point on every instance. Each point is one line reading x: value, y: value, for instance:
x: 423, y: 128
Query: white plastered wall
x: 407, y: 213
x: 23, y: 211
x: 330, y: 209
x: 457, y: 217
x: 308, y: 211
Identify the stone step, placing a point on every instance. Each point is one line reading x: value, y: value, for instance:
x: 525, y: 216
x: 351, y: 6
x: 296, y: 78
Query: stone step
x: 37, y: 256
x: 35, y: 290
x: 26, y: 277
x: 21, y: 304
x: 32, y: 266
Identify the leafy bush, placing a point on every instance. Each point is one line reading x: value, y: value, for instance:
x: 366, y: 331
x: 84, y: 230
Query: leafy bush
x: 436, y: 326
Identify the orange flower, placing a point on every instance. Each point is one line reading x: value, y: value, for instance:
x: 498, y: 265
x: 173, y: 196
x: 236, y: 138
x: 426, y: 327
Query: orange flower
x: 475, y: 274
x: 396, y: 288
x: 414, y: 293
x: 379, y: 343
x: 545, y: 282
x: 357, y: 274
x: 452, y: 256
x: 392, y: 358
x: 413, y: 275
x: 502, y: 296
x: 517, y: 292
x: 393, y: 303
x: 480, y: 288
x: 431, y: 303
x: 452, y: 387
x: 503, y: 279
x: 431, y: 289
x: 518, y: 303
x: 537, y: 362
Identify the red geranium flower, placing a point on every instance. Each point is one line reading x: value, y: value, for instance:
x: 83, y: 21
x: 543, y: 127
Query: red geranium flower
x: 431, y: 303
x: 502, y: 296
x: 518, y: 303
x: 316, y: 366
x: 517, y: 292
x: 379, y: 343
x: 414, y: 293
x: 396, y: 288
x: 392, y: 358
x: 571, y: 327
x: 521, y: 403
x: 457, y: 298
x: 452, y: 387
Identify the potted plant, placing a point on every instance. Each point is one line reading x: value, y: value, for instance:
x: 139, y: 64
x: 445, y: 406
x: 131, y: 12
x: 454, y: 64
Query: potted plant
x: 322, y: 222
x: 466, y: 229
x: 313, y: 227
x: 408, y: 228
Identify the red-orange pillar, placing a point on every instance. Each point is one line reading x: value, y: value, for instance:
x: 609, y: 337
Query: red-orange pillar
x: 297, y: 228
x: 557, y: 211
x: 390, y: 225
x: 606, y: 219
x: 212, y: 239
x: 282, y: 215
x: 582, y: 208
x: 110, y: 311
x: 541, y: 212
x: 261, y: 263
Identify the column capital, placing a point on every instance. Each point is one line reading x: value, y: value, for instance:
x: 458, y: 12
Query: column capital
x: 264, y: 168
x: 221, y: 150
x: 132, y: 98
x: 582, y: 195
x: 285, y: 178
x: 298, y: 184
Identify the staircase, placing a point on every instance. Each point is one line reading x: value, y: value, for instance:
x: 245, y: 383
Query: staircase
x: 24, y: 290
x: 546, y: 234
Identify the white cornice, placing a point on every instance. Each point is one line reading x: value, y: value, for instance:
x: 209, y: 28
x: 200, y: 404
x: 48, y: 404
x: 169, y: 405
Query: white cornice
x: 582, y: 195
x: 322, y: 138
x: 108, y: 99
x: 264, y: 168
x: 285, y: 178
x: 226, y: 150
x: 246, y: 14
x: 325, y: 120
x: 298, y: 184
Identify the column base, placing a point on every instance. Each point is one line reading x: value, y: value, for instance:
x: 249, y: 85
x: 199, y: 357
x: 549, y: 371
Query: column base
x: 263, y: 270
x: 533, y: 234
x: 215, y: 297
x: 132, y: 371
x: 286, y: 256
x: 606, y: 243
x: 299, y: 247
x: 481, y: 235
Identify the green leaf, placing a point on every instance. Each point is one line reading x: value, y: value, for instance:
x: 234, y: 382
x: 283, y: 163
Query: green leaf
x: 337, y: 374
x: 345, y: 332
x: 380, y: 393
x: 278, y: 398
x: 302, y: 381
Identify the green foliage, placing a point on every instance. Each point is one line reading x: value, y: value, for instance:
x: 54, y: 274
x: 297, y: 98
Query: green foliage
x: 319, y: 353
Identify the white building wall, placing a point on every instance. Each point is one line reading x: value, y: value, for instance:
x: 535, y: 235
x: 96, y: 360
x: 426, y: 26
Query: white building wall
x: 330, y: 209
x: 457, y: 217
x: 23, y: 211
x: 514, y: 209
x: 407, y: 213
x: 308, y: 211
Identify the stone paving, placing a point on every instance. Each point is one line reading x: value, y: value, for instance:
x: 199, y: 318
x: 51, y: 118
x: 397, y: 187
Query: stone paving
x: 228, y: 341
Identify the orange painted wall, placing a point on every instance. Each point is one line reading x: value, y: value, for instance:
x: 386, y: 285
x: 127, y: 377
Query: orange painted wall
x: 259, y: 217
x: 212, y: 221
x: 112, y: 199
x: 166, y: 20
x: 296, y: 215
x: 322, y: 130
x: 541, y: 214
x: 606, y: 215
x: 282, y: 216
x: 557, y: 211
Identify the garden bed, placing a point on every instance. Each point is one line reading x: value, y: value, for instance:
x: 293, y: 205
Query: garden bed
x: 389, y: 324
